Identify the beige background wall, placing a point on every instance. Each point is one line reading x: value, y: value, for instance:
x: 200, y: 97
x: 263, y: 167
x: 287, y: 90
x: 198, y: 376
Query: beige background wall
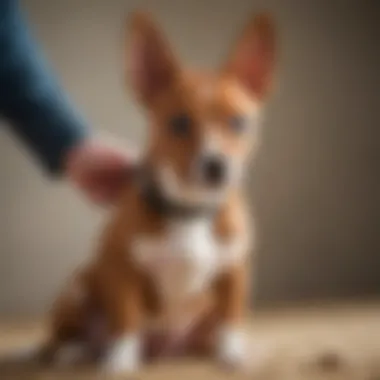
x: 315, y: 186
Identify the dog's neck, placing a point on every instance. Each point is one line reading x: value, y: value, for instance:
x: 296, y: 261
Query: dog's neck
x: 163, y: 206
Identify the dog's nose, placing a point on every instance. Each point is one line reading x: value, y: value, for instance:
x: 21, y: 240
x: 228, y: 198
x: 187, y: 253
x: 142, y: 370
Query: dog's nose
x: 213, y: 170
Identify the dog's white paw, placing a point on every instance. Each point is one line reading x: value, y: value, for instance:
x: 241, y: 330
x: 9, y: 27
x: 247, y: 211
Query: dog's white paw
x: 124, y: 356
x: 232, y: 348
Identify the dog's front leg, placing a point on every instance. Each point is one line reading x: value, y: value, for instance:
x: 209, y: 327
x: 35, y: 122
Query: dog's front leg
x: 125, y: 317
x: 231, y: 303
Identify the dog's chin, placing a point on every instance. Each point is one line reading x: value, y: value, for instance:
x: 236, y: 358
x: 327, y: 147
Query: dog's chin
x: 189, y: 194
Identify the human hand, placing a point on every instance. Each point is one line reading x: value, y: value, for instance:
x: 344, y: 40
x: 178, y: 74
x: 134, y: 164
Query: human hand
x: 100, y: 170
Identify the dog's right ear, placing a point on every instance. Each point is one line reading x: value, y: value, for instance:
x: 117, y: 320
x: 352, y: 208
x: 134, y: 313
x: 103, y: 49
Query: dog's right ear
x: 151, y: 66
x: 252, y: 61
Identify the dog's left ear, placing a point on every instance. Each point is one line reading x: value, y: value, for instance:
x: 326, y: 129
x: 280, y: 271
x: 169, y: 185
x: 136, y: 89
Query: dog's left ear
x: 253, y: 58
x: 151, y: 65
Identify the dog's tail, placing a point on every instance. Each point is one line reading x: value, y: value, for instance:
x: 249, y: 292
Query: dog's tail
x: 42, y: 354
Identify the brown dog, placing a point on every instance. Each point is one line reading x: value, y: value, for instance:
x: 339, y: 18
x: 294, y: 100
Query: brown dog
x: 175, y: 255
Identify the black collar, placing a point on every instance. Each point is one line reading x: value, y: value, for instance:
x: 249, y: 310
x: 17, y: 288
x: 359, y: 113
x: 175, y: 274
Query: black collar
x: 165, y: 207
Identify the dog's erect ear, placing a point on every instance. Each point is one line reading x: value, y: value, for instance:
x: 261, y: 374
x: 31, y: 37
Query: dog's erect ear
x: 151, y: 66
x: 253, y: 58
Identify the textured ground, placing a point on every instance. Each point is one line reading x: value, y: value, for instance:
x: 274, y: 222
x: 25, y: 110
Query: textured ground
x: 331, y: 343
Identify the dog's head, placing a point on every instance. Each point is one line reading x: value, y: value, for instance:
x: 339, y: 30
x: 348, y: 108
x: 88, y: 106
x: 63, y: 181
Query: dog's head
x: 203, y: 126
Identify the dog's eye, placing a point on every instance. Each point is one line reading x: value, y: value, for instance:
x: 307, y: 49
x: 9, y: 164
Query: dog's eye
x: 238, y: 123
x: 180, y: 125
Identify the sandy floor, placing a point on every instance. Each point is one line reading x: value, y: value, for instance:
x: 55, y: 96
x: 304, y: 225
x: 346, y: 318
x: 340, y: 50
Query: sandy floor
x: 333, y: 343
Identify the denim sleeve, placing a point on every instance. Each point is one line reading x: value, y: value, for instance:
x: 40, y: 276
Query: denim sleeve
x: 31, y: 99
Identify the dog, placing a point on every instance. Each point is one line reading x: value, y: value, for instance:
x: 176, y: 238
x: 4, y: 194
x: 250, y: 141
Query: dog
x: 175, y: 256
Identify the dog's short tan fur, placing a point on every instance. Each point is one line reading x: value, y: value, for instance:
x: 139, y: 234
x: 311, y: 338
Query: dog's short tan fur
x: 114, y: 281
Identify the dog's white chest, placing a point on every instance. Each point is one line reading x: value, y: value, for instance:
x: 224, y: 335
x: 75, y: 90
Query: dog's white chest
x: 183, y: 260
